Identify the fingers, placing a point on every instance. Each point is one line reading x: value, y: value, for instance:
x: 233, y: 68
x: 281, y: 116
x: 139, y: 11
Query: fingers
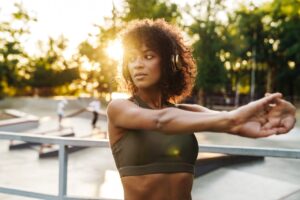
x: 271, y: 124
x: 279, y: 126
x: 272, y: 97
x: 289, y: 122
x: 263, y: 120
x: 261, y: 104
x: 288, y: 107
x: 268, y: 94
x: 282, y: 130
x: 277, y: 95
x: 286, y: 126
x: 274, y: 131
x: 271, y: 100
x: 268, y: 132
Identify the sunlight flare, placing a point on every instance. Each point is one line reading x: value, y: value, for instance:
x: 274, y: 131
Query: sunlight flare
x: 115, y: 50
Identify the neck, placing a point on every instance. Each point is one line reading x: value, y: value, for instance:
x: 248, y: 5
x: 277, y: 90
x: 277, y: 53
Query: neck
x: 152, y: 98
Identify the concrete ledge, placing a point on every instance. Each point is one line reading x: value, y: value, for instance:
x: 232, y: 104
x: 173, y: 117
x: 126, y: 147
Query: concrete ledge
x: 207, y: 164
x: 21, y: 122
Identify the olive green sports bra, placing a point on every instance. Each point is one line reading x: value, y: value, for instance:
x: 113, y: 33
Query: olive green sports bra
x: 141, y: 152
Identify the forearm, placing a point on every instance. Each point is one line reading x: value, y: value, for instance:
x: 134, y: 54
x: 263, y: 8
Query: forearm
x: 174, y: 121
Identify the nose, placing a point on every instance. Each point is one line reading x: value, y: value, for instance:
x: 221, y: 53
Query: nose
x: 138, y: 62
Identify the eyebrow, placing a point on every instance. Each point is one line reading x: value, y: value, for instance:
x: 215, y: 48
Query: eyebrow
x: 141, y: 50
x: 147, y: 50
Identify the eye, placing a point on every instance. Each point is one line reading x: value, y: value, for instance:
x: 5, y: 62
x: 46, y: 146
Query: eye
x: 149, y: 56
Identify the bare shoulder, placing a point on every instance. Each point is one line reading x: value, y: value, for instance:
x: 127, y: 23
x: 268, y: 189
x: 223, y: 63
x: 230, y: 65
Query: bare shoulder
x: 126, y: 114
x: 119, y: 106
x: 114, y: 108
x: 120, y: 111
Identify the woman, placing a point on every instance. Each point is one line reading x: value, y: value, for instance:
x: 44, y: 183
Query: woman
x: 152, y: 139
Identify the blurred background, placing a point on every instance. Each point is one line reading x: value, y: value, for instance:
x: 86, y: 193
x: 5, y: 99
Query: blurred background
x: 71, y: 48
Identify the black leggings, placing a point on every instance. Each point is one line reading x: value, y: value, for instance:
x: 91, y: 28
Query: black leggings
x: 95, y: 118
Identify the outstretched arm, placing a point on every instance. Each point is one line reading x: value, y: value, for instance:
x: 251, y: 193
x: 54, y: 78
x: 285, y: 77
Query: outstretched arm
x: 279, y: 115
x: 250, y: 120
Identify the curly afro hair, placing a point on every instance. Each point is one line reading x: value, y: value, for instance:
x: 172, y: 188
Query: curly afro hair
x: 177, y: 73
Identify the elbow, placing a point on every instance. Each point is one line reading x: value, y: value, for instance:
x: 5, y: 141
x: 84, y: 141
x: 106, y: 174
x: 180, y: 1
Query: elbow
x: 162, y: 121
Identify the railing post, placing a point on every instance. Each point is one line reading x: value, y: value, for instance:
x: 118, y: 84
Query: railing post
x: 63, y: 170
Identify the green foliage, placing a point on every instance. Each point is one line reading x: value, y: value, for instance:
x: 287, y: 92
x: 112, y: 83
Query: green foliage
x: 211, y: 75
x: 251, y: 46
x: 43, y: 77
x: 211, y: 72
x: 13, y: 58
x: 269, y: 37
x: 153, y: 9
x: 51, y: 70
x: 286, y: 20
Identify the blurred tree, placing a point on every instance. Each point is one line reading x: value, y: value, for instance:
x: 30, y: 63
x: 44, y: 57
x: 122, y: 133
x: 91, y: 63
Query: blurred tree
x: 208, y: 31
x: 252, y: 48
x: 153, y: 9
x: 13, y: 58
x: 263, y: 44
x: 102, y: 71
x: 51, y: 70
x: 286, y: 23
x: 270, y: 35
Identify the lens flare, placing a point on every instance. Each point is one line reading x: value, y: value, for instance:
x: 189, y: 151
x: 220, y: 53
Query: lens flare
x: 115, y: 50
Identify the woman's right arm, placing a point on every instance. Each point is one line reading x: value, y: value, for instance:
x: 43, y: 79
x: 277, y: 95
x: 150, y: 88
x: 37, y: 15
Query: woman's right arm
x: 127, y: 115
x: 248, y: 121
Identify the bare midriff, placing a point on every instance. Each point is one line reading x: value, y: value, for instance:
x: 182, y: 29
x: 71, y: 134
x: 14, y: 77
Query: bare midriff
x: 173, y: 186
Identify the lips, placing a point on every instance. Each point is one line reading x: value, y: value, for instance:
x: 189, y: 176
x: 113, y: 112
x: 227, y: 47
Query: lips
x: 139, y: 75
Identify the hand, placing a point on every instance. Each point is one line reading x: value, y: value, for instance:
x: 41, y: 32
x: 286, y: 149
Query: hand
x: 282, y: 116
x: 264, y: 117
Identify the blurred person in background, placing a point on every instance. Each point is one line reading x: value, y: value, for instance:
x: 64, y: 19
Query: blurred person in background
x: 94, y: 107
x: 60, y: 111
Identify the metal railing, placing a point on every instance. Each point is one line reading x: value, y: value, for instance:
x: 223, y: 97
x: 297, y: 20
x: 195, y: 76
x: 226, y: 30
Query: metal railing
x: 64, y: 143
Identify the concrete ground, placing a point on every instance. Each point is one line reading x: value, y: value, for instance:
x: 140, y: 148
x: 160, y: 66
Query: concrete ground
x: 270, y: 179
x: 92, y: 172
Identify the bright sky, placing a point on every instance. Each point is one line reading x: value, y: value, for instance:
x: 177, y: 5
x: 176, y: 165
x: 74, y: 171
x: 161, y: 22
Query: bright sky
x: 72, y: 18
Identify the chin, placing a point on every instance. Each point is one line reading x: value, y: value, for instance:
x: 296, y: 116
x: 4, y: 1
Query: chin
x: 145, y: 85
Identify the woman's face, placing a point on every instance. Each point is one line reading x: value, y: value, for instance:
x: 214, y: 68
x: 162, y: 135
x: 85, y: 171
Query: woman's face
x: 144, y: 67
